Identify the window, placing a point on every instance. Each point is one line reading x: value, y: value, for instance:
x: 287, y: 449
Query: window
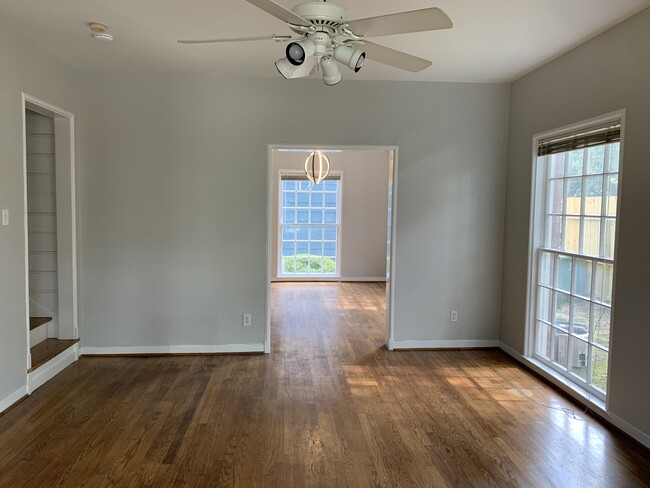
x: 309, y: 226
x: 575, y: 218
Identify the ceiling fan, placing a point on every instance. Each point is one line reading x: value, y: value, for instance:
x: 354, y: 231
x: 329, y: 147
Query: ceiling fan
x: 326, y: 36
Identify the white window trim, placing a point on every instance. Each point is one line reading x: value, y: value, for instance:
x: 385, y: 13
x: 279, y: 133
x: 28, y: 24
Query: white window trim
x: 339, y: 231
x: 535, y: 242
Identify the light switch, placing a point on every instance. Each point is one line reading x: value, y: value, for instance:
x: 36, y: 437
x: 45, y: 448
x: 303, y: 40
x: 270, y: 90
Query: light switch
x: 5, y: 216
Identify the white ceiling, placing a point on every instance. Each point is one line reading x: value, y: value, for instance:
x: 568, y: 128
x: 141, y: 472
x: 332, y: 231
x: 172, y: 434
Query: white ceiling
x: 492, y: 41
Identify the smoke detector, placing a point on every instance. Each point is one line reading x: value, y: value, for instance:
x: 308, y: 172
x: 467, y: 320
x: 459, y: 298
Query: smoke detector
x: 98, y: 32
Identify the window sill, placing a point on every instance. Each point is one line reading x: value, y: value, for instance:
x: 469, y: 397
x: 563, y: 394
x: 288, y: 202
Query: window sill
x: 307, y: 278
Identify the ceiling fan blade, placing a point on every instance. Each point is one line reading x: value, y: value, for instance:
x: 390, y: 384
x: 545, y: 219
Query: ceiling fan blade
x: 402, y: 23
x: 392, y: 57
x: 236, y: 39
x: 278, y: 11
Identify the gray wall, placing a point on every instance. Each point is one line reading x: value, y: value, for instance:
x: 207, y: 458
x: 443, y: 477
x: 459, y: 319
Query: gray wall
x: 173, y: 182
x: 173, y: 197
x: 24, y: 67
x: 608, y: 73
x: 364, y: 208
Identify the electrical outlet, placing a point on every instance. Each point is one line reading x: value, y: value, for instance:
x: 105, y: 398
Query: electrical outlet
x: 5, y: 216
x: 246, y: 320
x: 453, y: 316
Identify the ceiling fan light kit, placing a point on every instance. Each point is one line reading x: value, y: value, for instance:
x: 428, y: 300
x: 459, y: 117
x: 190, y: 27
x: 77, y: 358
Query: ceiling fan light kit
x: 298, y: 52
x: 352, y: 58
x: 331, y: 72
x: 327, y: 38
x: 285, y: 68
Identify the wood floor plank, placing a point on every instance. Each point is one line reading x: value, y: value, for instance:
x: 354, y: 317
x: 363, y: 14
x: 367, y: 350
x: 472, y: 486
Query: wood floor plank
x: 329, y: 407
x: 48, y: 349
x: 35, y: 322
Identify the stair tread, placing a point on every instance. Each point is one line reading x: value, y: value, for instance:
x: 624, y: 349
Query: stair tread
x: 38, y: 321
x: 49, y: 348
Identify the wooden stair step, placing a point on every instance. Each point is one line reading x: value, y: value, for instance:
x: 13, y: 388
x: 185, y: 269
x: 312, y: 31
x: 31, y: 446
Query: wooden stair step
x: 38, y: 321
x: 49, y: 348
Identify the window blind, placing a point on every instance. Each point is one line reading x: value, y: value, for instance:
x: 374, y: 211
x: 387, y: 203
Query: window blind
x: 595, y: 136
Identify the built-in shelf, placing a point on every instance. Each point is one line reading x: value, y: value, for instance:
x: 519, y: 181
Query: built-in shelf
x: 48, y: 349
x: 38, y: 321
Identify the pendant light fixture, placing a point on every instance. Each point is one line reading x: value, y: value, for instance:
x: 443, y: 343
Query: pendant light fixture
x: 317, y: 166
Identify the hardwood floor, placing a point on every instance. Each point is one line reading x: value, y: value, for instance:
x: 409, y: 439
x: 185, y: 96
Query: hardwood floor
x: 35, y: 322
x: 329, y: 407
x: 44, y: 351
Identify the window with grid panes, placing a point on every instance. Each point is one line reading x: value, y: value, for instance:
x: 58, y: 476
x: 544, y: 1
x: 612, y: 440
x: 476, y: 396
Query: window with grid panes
x: 578, y: 189
x: 309, y: 226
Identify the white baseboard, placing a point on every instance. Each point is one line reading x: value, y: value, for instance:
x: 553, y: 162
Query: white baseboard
x: 53, y: 329
x: 630, y: 430
x: 37, y: 335
x: 510, y: 351
x: 369, y: 278
x: 576, y: 392
x: 335, y: 279
x: 441, y: 344
x: 54, y: 366
x: 13, y: 398
x: 126, y: 350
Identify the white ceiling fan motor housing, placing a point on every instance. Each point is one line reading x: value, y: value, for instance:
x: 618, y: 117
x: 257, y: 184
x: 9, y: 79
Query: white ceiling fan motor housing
x: 322, y: 13
x: 321, y: 42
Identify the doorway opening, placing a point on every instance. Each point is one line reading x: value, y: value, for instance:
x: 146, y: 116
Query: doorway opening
x: 50, y: 240
x: 339, y: 230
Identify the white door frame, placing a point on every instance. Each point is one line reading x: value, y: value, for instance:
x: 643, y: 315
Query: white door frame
x: 64, y: 140
x: 392, y: 228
